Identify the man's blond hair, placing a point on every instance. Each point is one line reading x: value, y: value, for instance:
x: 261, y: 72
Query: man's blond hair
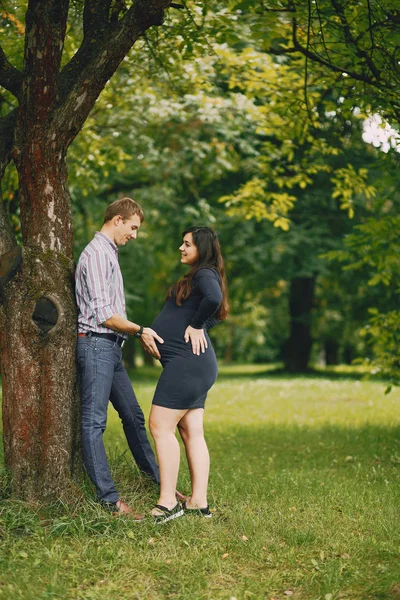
x: 125, y: 207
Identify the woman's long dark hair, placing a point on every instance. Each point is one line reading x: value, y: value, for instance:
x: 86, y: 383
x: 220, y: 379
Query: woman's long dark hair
x: 206, y: 241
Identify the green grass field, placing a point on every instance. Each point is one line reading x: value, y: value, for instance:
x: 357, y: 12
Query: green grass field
x: 305, y: 489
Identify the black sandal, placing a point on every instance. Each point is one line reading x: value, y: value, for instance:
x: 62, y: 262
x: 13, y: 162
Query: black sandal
x: 162, y: 514
x: 201, y: 512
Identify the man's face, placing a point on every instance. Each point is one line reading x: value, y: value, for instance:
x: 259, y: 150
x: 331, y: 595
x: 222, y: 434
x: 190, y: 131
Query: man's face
x: 125, y: 231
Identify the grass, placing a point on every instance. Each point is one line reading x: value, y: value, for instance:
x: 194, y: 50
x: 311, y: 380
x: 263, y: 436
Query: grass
x: 305, y: 485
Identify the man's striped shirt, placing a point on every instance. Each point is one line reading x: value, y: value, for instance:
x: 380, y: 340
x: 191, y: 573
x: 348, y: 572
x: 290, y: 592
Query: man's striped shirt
x: 99, y: 285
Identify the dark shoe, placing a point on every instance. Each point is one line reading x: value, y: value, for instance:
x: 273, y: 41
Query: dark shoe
x: 121, y: 509
x: 201, y: 512
x: 180, y: 497
x: 161, y: 514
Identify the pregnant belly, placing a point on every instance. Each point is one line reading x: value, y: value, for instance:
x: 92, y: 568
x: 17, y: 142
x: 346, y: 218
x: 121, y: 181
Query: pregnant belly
x: 171, y: 326
x: 174, y: 345
x: 177, y: 347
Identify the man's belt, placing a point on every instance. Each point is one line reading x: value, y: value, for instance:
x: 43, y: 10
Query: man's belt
x: 107, y: 336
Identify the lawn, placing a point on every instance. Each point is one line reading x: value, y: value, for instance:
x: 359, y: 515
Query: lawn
x: 305, y: 492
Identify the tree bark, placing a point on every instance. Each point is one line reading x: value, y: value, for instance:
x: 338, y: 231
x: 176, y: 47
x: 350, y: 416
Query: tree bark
x: 298, y: 347
x: 40, y: 400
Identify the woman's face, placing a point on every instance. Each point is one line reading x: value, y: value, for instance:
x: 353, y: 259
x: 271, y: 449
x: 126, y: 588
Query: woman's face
x: 188, y: 250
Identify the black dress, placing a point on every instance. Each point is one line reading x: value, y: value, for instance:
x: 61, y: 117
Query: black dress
x: 186, y: 377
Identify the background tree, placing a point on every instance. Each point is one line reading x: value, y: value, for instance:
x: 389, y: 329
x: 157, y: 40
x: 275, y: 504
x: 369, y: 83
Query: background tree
x: 234, y: 122
x: 353, y: 44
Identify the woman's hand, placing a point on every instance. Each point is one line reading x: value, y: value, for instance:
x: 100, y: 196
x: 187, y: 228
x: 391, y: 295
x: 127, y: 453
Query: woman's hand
x: 198, y: 339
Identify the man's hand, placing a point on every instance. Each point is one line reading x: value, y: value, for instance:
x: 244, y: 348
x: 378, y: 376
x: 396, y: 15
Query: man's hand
x: 148, y: 343
x: 198, y: 339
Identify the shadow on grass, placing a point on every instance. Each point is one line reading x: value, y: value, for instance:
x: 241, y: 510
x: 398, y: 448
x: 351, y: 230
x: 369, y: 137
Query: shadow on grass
x: 244, y: 371
x: 250, y: 453
x: 280, y: 373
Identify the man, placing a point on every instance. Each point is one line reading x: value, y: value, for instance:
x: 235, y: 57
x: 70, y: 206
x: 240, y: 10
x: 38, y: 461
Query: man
x: 102, y: 328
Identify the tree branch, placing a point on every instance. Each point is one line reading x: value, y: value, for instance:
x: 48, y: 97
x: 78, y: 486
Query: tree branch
x: 155, y: 57
x: 96, y: 15
x: 306, y: 61
x: 145, y: 13
x: 278, y: 10
x: 326, y: 63
x: 10, y: 77
x: 46, y: 23
x: 322, y: 30
x: 7, y: 128
x: 85, y: 76
x: 350, y: 40
x: 371, y: 33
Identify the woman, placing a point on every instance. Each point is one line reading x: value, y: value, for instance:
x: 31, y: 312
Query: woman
x: 195, y: 303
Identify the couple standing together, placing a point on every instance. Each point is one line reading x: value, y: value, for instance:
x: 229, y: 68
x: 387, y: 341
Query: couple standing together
x: 178, y: 338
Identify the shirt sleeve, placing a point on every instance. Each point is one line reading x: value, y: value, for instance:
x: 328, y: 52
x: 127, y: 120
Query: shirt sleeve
x: 211, y: 322
x: 99, y: 287
x: 207, y: 283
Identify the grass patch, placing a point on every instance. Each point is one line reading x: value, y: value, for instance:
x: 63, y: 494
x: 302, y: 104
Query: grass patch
x: 305, y: 486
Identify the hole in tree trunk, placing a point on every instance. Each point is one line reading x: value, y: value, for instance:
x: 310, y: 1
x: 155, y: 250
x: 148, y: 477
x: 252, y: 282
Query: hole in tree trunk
x: 45, y: 315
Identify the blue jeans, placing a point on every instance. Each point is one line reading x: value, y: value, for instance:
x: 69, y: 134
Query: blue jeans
x: 104, y: 378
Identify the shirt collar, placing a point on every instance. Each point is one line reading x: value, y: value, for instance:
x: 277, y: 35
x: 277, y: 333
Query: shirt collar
x: 106, y: 239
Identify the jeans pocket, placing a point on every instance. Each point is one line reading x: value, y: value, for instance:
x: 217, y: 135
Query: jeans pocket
x: 104, y: 345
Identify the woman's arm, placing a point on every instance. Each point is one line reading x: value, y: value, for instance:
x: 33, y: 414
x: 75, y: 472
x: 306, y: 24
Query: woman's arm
x: 207, y: 283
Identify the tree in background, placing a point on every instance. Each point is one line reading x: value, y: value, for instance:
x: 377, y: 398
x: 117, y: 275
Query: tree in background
x: 353, y: 44
x: 334, y: 63
x: 233, y: 123
x: 373, y: 249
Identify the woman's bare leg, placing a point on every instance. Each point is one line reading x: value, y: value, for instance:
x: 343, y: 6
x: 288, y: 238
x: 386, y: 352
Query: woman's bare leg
x: 192, y: 433
x: 163, y: 423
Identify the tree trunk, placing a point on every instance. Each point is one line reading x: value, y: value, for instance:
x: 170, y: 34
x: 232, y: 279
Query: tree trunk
x: 331, y: 352
x: 40, y: 396
x: 298, y: 347
x: 348, y: 354
x: 148, y: 359
x: 40, y: 399
x: 228, y: 355
x: 129, y: 354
